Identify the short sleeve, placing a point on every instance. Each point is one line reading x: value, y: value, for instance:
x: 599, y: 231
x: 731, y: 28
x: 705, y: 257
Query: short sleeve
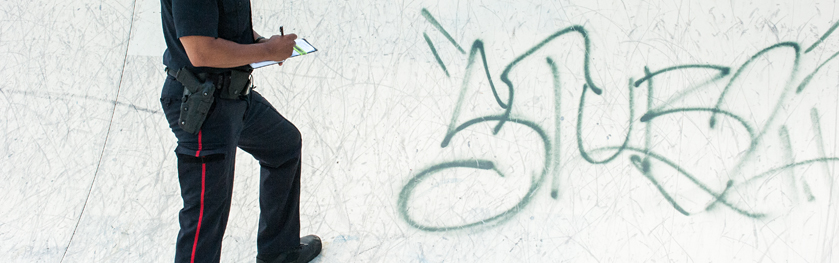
x: 195, y: 17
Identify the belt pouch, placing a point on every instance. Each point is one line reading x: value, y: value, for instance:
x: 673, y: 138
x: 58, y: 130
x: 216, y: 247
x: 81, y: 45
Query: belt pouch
x: 196, y: 102
x: 239, y: 85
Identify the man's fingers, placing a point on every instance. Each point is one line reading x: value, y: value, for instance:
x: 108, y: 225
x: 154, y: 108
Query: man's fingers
x: 281, y: 47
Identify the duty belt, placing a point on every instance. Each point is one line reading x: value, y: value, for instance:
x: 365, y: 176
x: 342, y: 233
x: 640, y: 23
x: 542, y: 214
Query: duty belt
x: 229, y: 85
x: 200, y: 90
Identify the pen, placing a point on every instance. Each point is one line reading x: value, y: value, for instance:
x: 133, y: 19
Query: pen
x: 281, y: 31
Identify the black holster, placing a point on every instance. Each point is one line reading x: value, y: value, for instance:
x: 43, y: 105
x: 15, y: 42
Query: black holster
x: 199, y: 94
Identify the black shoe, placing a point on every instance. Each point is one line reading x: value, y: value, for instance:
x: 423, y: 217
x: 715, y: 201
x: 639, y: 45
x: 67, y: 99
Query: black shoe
x: 309, y: 248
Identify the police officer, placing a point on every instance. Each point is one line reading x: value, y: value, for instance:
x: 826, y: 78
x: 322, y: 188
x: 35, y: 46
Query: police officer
x: 211, y: 110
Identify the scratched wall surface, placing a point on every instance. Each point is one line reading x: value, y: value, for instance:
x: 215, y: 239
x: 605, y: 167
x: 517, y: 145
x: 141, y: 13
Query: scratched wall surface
x: 447, y: 131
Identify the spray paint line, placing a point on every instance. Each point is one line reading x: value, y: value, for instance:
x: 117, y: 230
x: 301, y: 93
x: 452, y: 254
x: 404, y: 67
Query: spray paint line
x: 552, y: 145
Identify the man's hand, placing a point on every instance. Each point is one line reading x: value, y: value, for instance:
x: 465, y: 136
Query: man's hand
x: 280, y: 47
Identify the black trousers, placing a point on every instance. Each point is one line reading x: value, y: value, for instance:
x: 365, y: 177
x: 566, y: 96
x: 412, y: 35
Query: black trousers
x: 205, y: 172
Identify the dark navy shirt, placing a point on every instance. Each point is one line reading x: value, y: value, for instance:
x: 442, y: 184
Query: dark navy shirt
x: 227, y: 19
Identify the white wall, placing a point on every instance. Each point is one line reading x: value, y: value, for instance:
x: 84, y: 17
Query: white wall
x: 88, y: 170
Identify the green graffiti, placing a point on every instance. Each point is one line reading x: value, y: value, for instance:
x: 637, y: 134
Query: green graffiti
x: 505, y: 74
x: 642, y: 158
x: 436, y: 24
x: 405, y: 194
x: 557, y: 127
x: 809, y: 77
x: 827, y: 34
x: 436, y: 56
x: 737, y: 74
x: 580, y: 118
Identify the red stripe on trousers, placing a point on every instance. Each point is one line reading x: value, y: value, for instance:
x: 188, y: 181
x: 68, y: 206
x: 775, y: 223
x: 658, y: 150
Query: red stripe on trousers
x: 199, y: 144
x: 203, y: 185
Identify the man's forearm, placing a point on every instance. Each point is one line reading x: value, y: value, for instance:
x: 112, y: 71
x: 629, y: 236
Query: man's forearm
x: 221, y: 53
